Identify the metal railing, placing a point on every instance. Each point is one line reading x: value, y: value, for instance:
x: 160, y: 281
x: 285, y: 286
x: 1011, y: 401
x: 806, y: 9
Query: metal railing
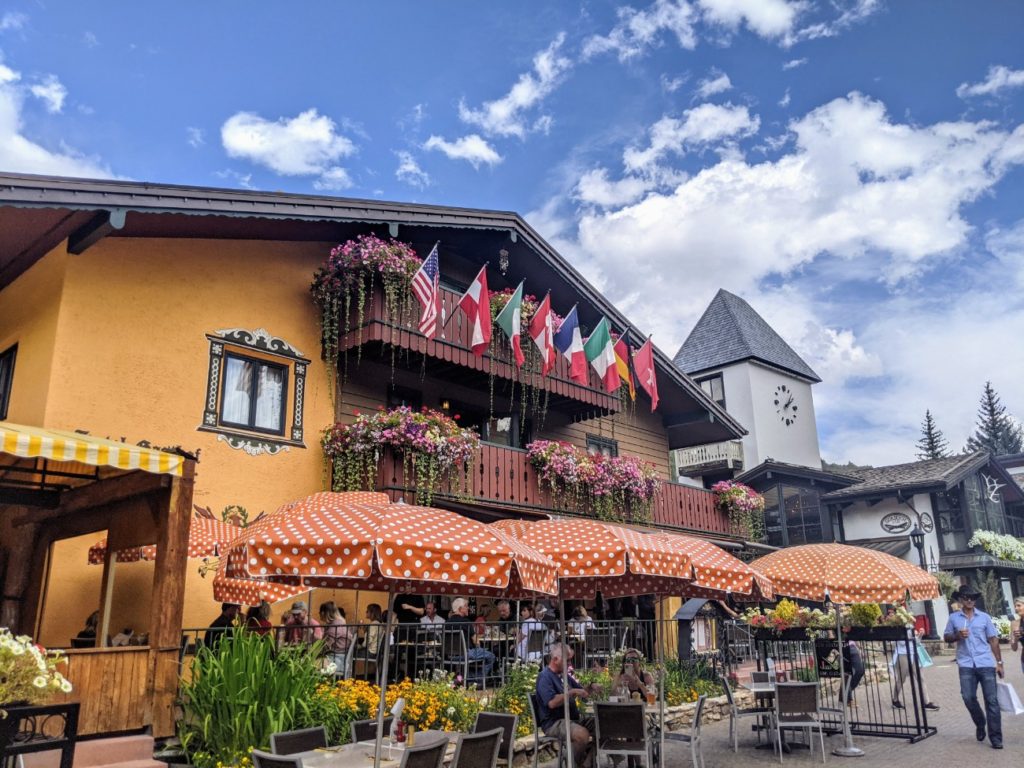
x: 728, y: 454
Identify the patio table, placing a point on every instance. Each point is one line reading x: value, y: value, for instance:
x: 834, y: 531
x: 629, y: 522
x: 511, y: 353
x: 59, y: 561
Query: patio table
x: 357, y: 755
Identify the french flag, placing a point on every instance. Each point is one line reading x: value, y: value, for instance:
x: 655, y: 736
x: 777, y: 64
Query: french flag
x: 569, y: 341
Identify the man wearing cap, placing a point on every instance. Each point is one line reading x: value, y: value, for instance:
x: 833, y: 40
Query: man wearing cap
x: 300, y: 626
x: 980, y: 661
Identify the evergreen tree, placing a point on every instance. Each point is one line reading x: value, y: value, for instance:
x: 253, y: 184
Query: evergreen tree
x: 996, y: 431
x: 932, y: 444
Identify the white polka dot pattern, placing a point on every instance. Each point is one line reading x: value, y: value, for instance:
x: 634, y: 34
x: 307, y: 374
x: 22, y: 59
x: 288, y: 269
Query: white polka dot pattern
x: 716, y: 571
x: 847, y: 574
x: 206, y: 537
x: 352, y: 540
x: 250, y: 591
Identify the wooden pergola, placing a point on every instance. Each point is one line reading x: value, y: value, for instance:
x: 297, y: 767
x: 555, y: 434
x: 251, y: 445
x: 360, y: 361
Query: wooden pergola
x: 56, y: 485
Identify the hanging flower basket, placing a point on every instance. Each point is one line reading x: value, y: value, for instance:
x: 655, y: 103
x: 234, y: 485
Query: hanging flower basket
x: 347, y: 278
x: 744, y: 506
x: 612, y: 488
x: 28, y: 672
x: 433, y: 447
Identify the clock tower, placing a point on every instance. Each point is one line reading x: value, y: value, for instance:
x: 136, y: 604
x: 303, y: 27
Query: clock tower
x: 760, y: 380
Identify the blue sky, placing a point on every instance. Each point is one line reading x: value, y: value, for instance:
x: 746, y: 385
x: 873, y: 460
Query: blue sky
x: 852, y: 168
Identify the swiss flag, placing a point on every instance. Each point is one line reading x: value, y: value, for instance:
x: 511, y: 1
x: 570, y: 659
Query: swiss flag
x: 643, y: 364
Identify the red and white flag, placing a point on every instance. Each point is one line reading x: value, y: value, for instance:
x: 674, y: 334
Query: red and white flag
x: 426, y: 287
x: 476, y: 303
x: 643, y: 364
x: 542, y: 331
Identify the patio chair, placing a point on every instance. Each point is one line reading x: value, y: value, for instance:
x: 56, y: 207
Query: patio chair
x: 266, y: 760
x: 486, y: 721
x: 305, y: 740
x: 541, y: 739
x: 536, y: 639
x: 621, y: 730
x: 797, y: 705
x: 429, y: 753
x: 366, y: 730
x: 693, y: 738
x: 598, y: 644
x: 478, y: 750
x: 735, y: 714
x: 456, y: 658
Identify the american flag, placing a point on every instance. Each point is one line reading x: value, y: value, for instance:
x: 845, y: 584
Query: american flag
x: 426, y: 286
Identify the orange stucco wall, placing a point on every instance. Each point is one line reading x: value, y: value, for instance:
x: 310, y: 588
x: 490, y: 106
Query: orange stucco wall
x: 114, y: 342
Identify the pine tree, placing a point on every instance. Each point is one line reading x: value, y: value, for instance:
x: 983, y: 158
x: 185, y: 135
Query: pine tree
x: 932, y: 444
x: 996, y: 431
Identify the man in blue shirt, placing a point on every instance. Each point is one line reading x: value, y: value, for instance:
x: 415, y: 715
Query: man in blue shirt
x: 552, y: 706
x: 979, y: 660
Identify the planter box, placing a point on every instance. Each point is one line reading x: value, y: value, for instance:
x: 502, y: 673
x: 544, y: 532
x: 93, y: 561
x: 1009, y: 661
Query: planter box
x: 794, y: 633
x: 39, y: 728
x: 876, y: 634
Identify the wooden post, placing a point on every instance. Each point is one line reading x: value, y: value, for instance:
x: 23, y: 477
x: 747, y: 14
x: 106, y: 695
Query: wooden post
x: 106, y: 594
x: 172, y: 524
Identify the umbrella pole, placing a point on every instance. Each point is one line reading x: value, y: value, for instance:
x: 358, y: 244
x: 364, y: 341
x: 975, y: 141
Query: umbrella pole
x: 565, y: 679
x: 386, y: 640
x: 848, y: 749
x: 661, y: 676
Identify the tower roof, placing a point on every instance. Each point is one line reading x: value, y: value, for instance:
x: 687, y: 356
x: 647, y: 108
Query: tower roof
x: 730, y: 331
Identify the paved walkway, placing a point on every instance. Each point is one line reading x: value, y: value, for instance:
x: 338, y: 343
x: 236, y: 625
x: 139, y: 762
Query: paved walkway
x: 954, y: 745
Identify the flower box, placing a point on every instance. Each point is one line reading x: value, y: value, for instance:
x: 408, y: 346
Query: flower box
x: 876, y: 634
x: 791, y: 633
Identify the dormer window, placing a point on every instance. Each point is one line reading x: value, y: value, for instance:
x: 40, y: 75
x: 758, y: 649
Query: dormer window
x: 714, y: 387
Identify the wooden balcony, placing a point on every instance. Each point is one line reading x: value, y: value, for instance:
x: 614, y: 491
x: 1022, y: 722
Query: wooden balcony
x: 452, y: 348
x: 503, y: 480
x: 701, y: 458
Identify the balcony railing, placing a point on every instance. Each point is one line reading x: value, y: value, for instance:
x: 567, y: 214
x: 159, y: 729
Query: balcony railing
x: 503, y: 477
x: 714, y: 455
x: 453, y: 346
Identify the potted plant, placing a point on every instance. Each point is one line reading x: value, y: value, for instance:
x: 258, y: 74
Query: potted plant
x: 743, y: 505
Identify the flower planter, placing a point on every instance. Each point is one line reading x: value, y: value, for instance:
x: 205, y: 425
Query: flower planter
x: 876, y: 634
x: 792, y: 633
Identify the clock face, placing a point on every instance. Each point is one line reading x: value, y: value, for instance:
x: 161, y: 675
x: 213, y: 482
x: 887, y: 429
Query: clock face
x: 785, y: 404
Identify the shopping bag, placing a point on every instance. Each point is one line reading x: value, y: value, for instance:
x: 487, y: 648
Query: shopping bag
x: 924, y: 659
x: 1008, y: 700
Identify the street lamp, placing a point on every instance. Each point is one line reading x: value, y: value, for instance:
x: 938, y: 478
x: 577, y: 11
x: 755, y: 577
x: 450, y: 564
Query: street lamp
x: 917, y: 539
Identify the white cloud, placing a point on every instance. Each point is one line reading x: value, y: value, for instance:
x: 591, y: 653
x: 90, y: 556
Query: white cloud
x: 306, y: 145
x: 784, y: 101
x: 90, y: 39
x: 671, y: 85
x: 409, y: 171
x: 473, y: 148
x: 243, y: 180
x: 771, y: 19
x: 595, y: 188
x: 701, y: 125
x: 194, y: 136
x: 999, y: 78
x: 717, y: 82
x: 51, y: 92
x: 793, y: 64
x: 637, y: 31
x: 18, y: 153
x: 852, y: 12
x: 12, y: 20
x: 333, y: 179
x: 505, y: 116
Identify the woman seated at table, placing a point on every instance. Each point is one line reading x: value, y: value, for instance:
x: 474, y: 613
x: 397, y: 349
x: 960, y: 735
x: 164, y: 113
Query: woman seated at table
x: 632, y: 677
x: 581, y: 622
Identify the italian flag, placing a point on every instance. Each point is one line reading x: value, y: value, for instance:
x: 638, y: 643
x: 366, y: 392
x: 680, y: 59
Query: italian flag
x: 600, y: 354
x: 476, y: 303
x: 510, y: 321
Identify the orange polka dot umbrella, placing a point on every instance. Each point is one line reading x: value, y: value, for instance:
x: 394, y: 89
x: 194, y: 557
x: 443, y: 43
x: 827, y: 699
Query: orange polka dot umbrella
x: 845, y: 574
x: 206, y: 538
x: 716, y: 573
x: 342, y: 540
x: 595, y: 556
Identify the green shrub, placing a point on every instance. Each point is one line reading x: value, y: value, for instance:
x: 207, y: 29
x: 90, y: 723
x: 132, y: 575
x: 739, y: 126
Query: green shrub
x: 865, y: 614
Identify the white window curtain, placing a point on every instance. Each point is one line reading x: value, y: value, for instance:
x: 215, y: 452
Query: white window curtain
x: 237, y: 385
x: 269, y: 398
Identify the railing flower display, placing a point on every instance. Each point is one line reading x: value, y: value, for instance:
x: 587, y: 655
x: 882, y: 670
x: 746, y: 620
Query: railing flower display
x: 744, y: 506
x: 432, y: 445
x: 615, y: 488
x: 348, y: 277
x: 999, y: 545
x: 28, y: 672
x: 789, y: 615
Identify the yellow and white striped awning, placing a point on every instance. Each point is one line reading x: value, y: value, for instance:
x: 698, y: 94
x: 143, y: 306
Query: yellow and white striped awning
x: 57, y: 445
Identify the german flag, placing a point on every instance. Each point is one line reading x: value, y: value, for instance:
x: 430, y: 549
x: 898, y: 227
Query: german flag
x: 622, y: 365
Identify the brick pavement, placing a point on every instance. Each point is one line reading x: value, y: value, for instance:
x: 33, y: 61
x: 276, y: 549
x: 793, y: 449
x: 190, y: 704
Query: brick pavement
x: 953, y: 745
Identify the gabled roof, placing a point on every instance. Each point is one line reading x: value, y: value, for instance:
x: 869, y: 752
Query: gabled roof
x: 730, y: 331
x: 928, y: 476
x: 772, y: 468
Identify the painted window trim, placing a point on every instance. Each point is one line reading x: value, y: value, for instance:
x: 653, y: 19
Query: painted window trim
x: 239, y: 341
x: 5, y: 394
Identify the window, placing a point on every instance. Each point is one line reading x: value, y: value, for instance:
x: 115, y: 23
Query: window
x: 253, y: 394
x: 602, y: 446
x: 714, y: 387
x: 792, y: 515
x: 6, y: 378
x: 255, y: 391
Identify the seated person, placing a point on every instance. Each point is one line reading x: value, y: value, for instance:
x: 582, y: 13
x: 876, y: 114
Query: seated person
x: 460, y: 620
x: 632, y: 678
x: 552, y: 705
x: 530, y: 624
x: 430, y: 618
x: 581, y: 622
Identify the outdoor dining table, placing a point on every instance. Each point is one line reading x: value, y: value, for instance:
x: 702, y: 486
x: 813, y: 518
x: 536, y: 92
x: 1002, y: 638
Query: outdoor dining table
x: 359, y: 754
x: 767, y: 689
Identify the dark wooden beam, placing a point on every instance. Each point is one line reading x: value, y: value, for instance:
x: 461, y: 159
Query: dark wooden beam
x: 688, y: 417
x: 30, y: 497
x: 101, y: 225
x: 102, y: 492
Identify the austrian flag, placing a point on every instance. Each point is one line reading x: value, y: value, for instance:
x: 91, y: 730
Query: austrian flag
x: 476, y: 303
